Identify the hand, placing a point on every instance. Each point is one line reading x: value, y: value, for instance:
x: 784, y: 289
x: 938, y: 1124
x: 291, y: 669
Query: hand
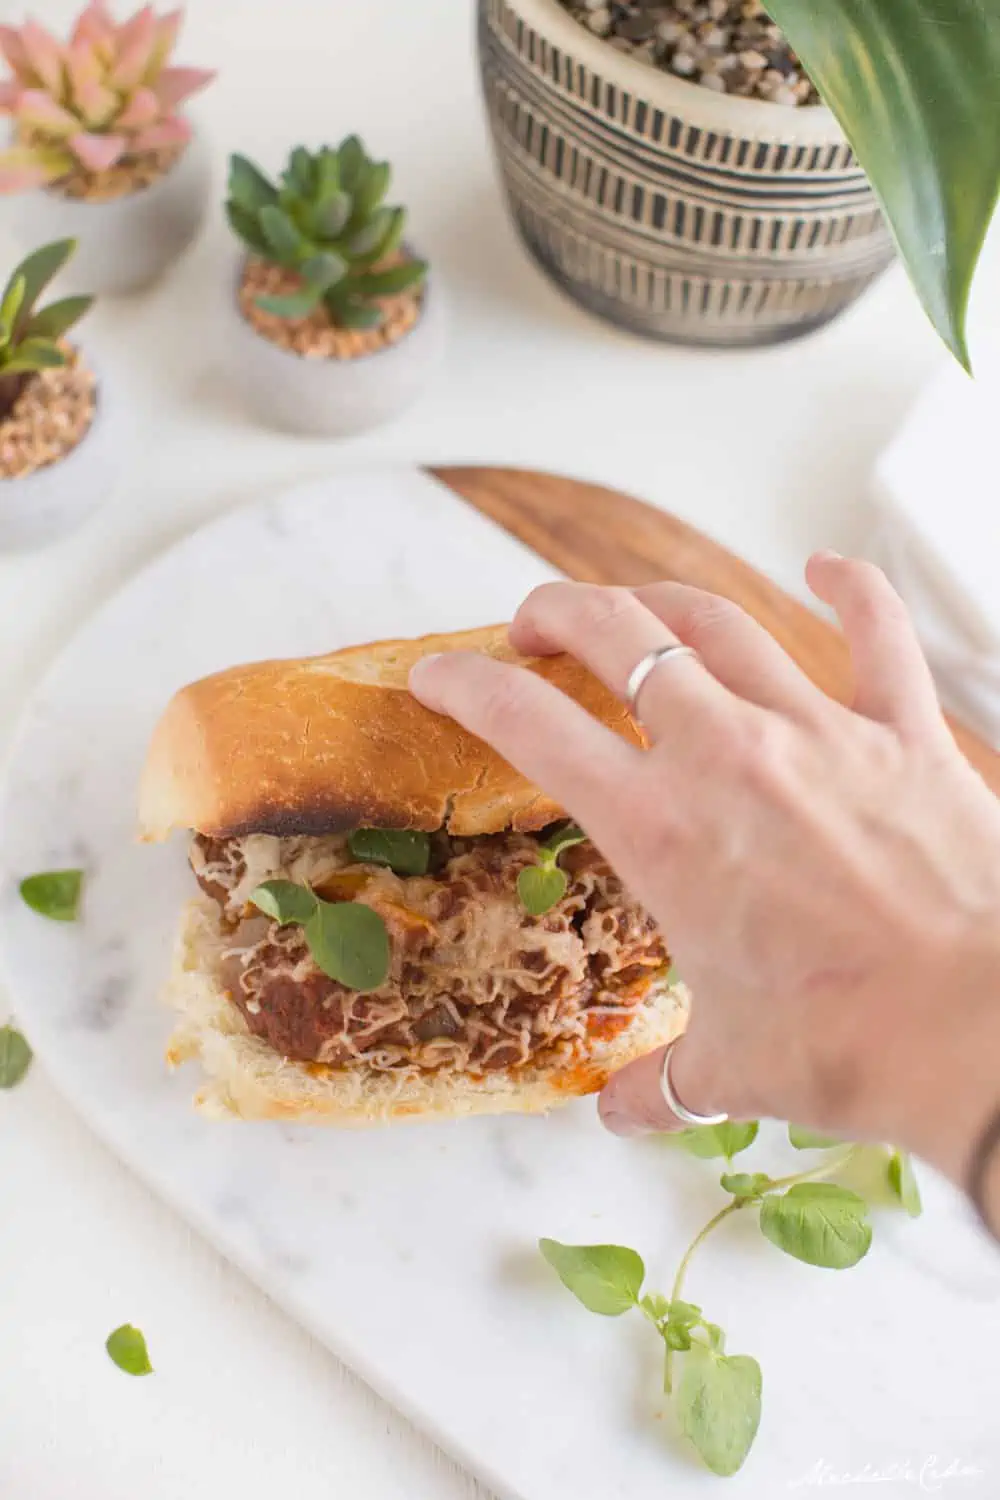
x: 827, y: 879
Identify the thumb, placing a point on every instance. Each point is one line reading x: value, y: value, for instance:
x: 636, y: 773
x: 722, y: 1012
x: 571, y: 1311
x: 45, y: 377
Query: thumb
x: 634, y: 1101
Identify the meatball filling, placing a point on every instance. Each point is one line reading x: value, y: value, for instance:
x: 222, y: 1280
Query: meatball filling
x: 476, y: 983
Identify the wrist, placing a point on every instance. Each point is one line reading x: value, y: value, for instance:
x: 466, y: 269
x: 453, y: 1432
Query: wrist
x: 947, y: 1061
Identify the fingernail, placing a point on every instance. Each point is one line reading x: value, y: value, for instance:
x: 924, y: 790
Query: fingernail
x: 826, y: 554
x: 623, y: 1125
x: 419, y: 669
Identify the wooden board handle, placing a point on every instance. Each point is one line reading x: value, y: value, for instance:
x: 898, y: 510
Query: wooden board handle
x: 598, y: 535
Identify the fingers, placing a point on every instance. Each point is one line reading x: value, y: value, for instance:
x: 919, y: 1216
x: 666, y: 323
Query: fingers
x: 610, y: 630
x: 894, y: 683
x: 633, y: 1101
x: 538, y: 729
x: 737, y: 651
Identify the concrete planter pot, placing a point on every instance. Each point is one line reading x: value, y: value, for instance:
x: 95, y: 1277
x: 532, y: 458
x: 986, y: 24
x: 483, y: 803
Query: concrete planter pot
x: 332, y: 397
x: 129, y: 242
x: 58, y: 498
x: 670, y: 210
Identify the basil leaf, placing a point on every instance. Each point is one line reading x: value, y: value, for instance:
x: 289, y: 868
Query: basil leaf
x: 718, y: 1404
x: 350, y: 943
x: 127, y: 1347
x: 903, y: 1181
x: 727, y: 1139
x: 284, y: 901
x: 607, y: 1279
x: 541, y: 888
x: 54, y: 894
x: 405, y: 851
x: 818, y: 1222
x: 15, y: 1057
x: 804, y: 1139
x: 564, y: 838
x: 745, y: 1184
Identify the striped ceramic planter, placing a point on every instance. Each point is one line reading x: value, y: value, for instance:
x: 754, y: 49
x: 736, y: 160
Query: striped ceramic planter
x: 671, y: 210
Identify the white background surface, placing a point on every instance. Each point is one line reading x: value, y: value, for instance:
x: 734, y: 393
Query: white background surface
x: 769, y: 451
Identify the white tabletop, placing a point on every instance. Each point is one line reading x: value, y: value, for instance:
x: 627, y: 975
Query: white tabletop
x: 769, y: 451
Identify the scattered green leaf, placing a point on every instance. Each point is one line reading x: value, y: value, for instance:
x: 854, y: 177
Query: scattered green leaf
x: 127, y: 1348
x: 607, y: 1279
x: 540, y: 888
x: 804, y: 1139
x: 655, y: 1306
x: 15, y: 1057
x: 718, y: 1403
x: 745, y: 1185
x: 54, y: 894
x: 284, y: 901
x: 727, y: 1139
x: 350, y: 943
x: 565, y: 837
x: 818, y: 1222
x: 405, y: 851
x: 685, y: 1313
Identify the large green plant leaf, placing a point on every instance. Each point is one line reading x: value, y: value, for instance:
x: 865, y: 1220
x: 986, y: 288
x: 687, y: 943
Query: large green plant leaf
x: 914, y: 83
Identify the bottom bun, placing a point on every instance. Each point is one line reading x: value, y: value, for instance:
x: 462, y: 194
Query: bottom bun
x: 246, y: 1079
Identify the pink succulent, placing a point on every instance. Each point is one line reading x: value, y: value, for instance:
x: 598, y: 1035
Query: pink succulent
x: 105, y: 94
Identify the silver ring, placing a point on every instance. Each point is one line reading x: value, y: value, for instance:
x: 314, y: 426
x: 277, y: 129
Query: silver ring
x: 667, y: 1089
x: 648, y: 664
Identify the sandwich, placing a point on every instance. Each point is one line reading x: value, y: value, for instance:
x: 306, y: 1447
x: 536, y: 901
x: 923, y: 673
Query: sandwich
x: 388, y: 921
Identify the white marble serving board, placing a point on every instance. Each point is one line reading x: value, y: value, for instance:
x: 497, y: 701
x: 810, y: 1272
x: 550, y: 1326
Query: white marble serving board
x: 411, y: 1251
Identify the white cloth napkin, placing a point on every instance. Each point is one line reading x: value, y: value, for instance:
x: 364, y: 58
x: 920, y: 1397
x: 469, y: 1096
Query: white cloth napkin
x: 937, y: 535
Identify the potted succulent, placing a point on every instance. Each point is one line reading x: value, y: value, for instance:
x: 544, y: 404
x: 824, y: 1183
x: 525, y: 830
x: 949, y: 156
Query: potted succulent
x: 58, y: 452
x: 333, y: 326
x: 672, y: 164
x: 99, y: 150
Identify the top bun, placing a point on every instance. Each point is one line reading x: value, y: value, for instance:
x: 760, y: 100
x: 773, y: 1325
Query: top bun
x: 332, y: 743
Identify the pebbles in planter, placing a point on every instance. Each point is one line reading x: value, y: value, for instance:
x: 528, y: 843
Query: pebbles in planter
x: 315, y: 336
x: 731, y: 46
x: 50, y: 416
x: 133, y: 173
x: 340, y: 330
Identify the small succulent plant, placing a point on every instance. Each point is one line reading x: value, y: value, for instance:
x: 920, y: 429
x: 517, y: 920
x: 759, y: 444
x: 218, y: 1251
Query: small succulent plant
x: 29, y: 335
x: 327, y: 221
x: 106, y: 94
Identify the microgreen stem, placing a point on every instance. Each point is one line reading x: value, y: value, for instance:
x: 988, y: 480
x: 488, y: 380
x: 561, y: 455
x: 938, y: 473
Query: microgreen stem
x: 815, y: 1174
x: 825, y: 1169
x: 713, y: 1223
